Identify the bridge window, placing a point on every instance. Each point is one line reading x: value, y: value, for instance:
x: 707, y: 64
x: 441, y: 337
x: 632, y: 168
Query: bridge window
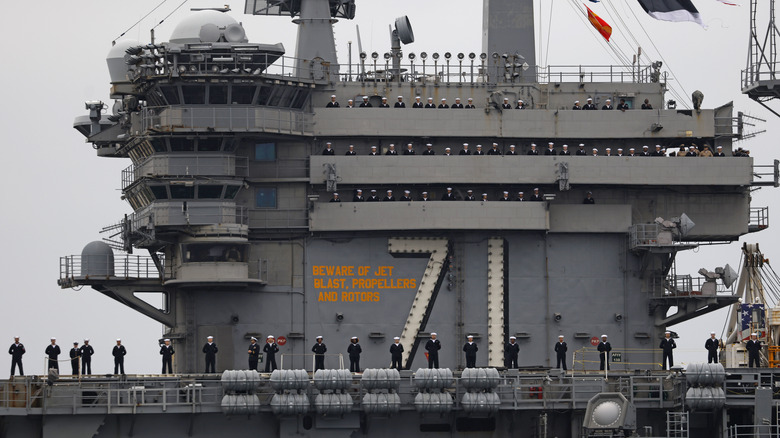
x: 171, y: 94
x: 209, y: 191
x: 265, y: 197
x: 182, y: 191
x: 231, y: 191
x: 214, y: 252
x: 265, y: 152
x: 243, y: 95
x: 159, y: 192
x: 179, y: 144
x: 194, y: 94
x: 209, y: 144
x: 218, y: 94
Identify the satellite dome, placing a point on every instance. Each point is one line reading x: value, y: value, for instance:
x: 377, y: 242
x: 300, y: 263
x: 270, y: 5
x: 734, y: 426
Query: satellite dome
x: 117, y: 67
x: 97, y: 259
x: 208, y: 27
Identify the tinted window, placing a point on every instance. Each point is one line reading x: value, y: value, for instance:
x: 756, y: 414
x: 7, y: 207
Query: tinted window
x: 159, y: 192
x: 265, y: 152
x: 179, y: 144
x: 194, y: 94
x: 218, y: 94
x: 182, y: 192
x: 265, y: 197
x: 243, y: 94
x: 171, y: 94
x: 209, y: 144
x: 231, y: 192
x: 209, y: 191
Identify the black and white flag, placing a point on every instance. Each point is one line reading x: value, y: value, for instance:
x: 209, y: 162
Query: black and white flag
x: 672, y: 10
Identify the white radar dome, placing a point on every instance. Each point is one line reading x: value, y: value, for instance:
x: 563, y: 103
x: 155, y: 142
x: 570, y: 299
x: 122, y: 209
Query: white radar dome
x: 606, y: 414
x: 97, y: 259
x: 208, y: 27
x: 117, y: 67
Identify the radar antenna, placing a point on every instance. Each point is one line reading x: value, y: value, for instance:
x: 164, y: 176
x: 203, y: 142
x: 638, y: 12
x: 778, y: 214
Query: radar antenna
x: 759, y: 79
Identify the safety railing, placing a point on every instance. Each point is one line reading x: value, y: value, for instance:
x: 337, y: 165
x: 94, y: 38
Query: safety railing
x: 109, y: 266
x: 764, y: 72
x: 766, y: 174
x: 687, y: 285
x: 752, y: 431
x: 759, y: 219
x: 180, y: 165
x: 644, y: 235
x: 232, y: 118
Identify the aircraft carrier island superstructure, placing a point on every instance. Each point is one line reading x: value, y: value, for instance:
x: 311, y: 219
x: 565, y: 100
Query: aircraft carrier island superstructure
x: 233, y: 227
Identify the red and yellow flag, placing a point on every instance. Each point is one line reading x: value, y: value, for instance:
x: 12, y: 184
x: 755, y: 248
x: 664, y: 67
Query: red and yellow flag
x: 604, y: 29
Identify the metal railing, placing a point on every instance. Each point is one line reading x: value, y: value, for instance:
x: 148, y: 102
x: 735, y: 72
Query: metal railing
x: 757, y: 74
x: 232, y: 118
x: 644, y: 235
x: 686, y: 285
x: 179, y: 165
x: 752, y: 431
x: 766, y: 174
x: 109, y: 266
x: 759, y: 219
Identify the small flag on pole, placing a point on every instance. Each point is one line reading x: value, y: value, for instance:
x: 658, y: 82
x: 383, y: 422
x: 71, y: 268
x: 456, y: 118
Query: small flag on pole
x: 604, y: 29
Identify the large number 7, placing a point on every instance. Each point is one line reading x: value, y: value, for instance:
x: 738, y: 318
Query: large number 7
x: 434, y: 274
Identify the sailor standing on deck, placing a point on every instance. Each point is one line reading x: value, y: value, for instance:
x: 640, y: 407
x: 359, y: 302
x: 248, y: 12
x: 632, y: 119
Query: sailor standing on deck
x: 354, y: 351
x: 432, y: 347
x: 753, y: 347
x: 396, y: 353
x: 16, y: 351
x: 254, y: 353
x: 511, y: 351
x: 270, y: 348
x: 210, y: 348
x: 470, y: 348
x: 604, y: 349
x: 86, y: 351
x: 166, y: 350
x: 53, y: 351
x: 417, y: 103
x: 667, y: 345
x: 75, y: 354
x: 560, y: 353
x: 119, y: 352
x: 332, y: 103
x: 400, y: 103
x: 712, y: 345
x: 319, y: 350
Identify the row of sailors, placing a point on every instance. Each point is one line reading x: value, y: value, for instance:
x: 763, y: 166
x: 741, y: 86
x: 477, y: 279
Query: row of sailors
x: 622, y: 106
x: 659, y: 151
x: 537, y: 196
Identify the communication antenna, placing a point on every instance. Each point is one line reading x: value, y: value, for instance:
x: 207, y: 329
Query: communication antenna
x: 759, y: 79
x: 401, y: 34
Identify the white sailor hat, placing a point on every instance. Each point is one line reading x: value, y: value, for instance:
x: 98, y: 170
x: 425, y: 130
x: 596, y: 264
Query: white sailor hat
x: 590, y: 98
x: 409, y: 144
x: 457, y: 98
x: 335, y: 194
x: 512, y: 337
x: 207, y: 337
x: 667, y: 333
x: 416, y: 97
x: 332, y: 95
x: 754, y: 334
x: 328, y: 143
x: 118, y: 339
x: 533, y: 145
x: 712, y: 333
x: 658, y: 146
x: 389, y: 191
x: 433, y: 334
x: 604, y: 336
x: 536, y: 189
x: 469, y: 191
x: 644, y: 147
x: 318, y: 337
x: 595, y: 150
x: 520, y: 100
x: 354, y: 337
x: 470, y: 99
x: 429, y: 145
x: 582, y: 145
x: 407, y: 191
x: 609, y: 100
x: 549, y: 143
x: 359, y: 191
x: 479, y: 146
x: 519, y: 193
x: 373, y: 147
x: 253, y: 338
x: 449, y: 188
x: 400, y: 97
x: 620, y: 149
x: 484, y: 195
x: 495, y: 144
x: 365, y: 97
x: 576, y: 101
x: 384, y: 98
x: 560, y: 336
x: 373, y: 191
x: 270, y: 337
x: 16, y: 337
x: 53, y: 339
x: 609, y: 149
x: 425, y: 193
x: 506, y: 98
x: 430, y: 98
x: 505, y: 192
x: 86, y: 340
x: 631, y: 149
x: 511, y: 146
x: 447, y: 149
x: 470, y: 336
x: 350, y: 100
x: 396, y: 338
x: 719, y: 147
x: 166, y: 340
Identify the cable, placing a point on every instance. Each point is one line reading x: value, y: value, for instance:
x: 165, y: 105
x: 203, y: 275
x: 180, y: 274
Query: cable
x: 549, y: 27
x: 140, y: 20
x: 172, y: 12
x: 616, y: 55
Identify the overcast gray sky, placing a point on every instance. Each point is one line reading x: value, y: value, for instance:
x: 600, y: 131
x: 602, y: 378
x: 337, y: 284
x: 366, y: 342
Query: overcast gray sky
x: 57, y: 194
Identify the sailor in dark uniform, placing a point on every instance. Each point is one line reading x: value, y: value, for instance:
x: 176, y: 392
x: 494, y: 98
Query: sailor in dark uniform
x: 16, y: 351
x: 469, y: 195
x: 373, y: 151
x: 645, y: 151
x: 373, y: 197
x: 494, y: 150
x: 351, y: 150
x: 389, y: 197
x: 479, y: 150
x: 520, y: 104
x: 533, y: 150
x: 712, y: 346
x: 429, y: 150
x: 53, y: 350
x: 753, y: 347
x: 667, y: 345
x: 328, y: 150
x: 537, y: 196
x: 354, y: 351
x: 332, y: 103
x: 430, y: 103
x: 608, y: 152
x: 335, y: 198
x: 511, y: 150
x: 424, y: 197
x: 504, y: 196
x: 396, y: 353
x: 564, y: 150
x: 594, y: 152
x: 119, y: 352
x: 589, y: 106
x: 75, y: 355
x: 365, y: 103
x: 658, y: 151
x: 166, y: 350
x: 409, y: 149
x: 270, y: 349
x: 604, y: 349
x: 400, y: 103
x: 417, y: 103
x: 443, y: 104
x: 447, y: 152
x: 576, y: 106
x: 646, y: 105
x: 550, y: 149
x: 589, y: 199
x: 581, y: 150
x: 470, y: 348
x: 210, y: 349
x: 465, y: 150
x: 623, y: 106
x: 719, y: 152
x: 620, y: 152
x: 470, y: 104
x: 358, y: 196
x: 432, y: 347
x: 608, y: 105
x: 86, y: 351
x: 484, y: 197
x: 506, y: 104
x: 449, y: 196
x: 350, y: 104
x: 319, y: 350
x: 384, y: 103
x: 254, y: 353
x: 391, y: 150
x: 520, y: 197
x: 457, y: 104
x: 406, y: 196
x: 631, y: 152
x: 560, y: 353
x: 511, y: 351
